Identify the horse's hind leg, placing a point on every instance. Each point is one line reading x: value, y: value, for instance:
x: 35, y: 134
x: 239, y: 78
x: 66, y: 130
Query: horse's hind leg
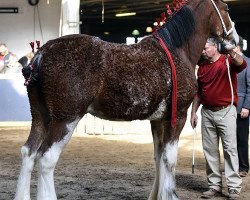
x: 165, y: 152
x: 59, y: 134
x: 29, y: 153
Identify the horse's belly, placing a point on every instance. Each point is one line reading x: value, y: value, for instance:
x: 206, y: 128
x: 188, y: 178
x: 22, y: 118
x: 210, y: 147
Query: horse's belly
x: 128, y: 113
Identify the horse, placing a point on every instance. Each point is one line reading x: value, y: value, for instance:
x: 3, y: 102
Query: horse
x: 78, y: 74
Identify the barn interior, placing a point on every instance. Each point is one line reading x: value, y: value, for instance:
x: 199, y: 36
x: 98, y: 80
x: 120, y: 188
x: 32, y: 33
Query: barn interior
x: 116, y: 29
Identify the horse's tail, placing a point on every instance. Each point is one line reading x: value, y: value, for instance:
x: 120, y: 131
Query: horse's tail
x: 31, y: 71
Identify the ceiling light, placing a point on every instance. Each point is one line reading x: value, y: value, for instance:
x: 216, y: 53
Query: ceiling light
x: 135, y: 32
x: 244, y: 45
x: 149, y: 29
x: 156, y: 24
x: 125, y: 14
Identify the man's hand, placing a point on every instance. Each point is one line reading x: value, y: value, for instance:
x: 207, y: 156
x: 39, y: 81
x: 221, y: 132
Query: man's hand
x: 244, y: 113
x: 194, y: 120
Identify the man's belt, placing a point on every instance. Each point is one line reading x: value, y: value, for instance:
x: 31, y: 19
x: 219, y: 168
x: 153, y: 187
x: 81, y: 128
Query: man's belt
x: 216, y: 108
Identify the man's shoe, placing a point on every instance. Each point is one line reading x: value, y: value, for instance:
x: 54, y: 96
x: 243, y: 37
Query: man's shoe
x: 243, y: 173
x: 210, y: 194
x: 233, y: 194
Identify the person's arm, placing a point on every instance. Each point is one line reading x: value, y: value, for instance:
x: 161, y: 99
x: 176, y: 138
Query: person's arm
x: 246, y: 104
x: 195, y: 105
x: 1, y: 65
x: 237, y: 59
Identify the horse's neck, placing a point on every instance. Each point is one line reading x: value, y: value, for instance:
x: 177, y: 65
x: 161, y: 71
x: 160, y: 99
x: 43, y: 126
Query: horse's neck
x: 196, y: 43
x: 193, y: 48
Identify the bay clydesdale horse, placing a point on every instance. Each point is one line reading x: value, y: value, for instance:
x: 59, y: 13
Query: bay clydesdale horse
x: 78, y: 74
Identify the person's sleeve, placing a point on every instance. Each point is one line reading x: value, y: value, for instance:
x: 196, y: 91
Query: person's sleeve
x: 246, y: 103
x: 237, y: 68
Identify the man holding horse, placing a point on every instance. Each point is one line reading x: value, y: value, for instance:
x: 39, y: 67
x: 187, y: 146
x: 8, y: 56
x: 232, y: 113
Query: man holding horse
x: 219, y: 99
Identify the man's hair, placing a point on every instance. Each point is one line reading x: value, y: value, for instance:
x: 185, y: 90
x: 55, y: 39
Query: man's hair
x: 240, y: 44
x: 212, y: 41
x: 2, y: 44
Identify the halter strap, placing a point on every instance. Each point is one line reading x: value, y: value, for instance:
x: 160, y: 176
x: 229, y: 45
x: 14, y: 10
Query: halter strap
x: 222, y: 22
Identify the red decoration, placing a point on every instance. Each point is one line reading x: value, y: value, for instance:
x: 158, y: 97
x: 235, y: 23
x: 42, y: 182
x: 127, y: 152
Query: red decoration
x: 163, y: 17
x: 169, y: 11
x: 32, y: 44
x: 38, y: 44
x: 176, y: 5
x: 158, y: 21
x: 174, y: 81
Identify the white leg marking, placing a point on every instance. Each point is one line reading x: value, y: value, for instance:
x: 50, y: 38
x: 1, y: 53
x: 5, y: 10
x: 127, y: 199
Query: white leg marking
x: 167, y: 172
x: 158, y: 114
x: 47, y: 163
x: 23, y: 185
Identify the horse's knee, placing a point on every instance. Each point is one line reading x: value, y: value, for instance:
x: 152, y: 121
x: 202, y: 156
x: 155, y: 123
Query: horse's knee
x: 169, y: 156
x: 28, y: 158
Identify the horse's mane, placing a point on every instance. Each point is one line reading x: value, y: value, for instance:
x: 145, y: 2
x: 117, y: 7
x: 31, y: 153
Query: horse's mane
x: 178, y: 28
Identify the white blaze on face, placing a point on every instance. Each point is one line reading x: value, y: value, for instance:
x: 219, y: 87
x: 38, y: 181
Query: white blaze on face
x: 236, y: 36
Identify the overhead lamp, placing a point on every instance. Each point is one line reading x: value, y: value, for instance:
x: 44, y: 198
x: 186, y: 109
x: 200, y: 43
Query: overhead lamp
x: 155, y: 23
x: 135, y: 32
x: 244, y: 45
x: 125, y: 14
x: 149, y: 29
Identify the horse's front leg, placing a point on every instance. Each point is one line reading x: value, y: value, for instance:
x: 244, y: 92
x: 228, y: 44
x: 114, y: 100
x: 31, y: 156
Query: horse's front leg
x: 165, y: 153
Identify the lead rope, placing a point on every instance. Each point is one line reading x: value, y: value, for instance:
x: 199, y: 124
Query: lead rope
x: 227, y: 62
x: 231, y: 87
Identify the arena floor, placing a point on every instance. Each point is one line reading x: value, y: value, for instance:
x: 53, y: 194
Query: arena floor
x: 106, y: 167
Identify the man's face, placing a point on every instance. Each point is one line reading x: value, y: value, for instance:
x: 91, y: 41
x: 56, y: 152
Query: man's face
x: 2, y: 50
x: 209, y: 51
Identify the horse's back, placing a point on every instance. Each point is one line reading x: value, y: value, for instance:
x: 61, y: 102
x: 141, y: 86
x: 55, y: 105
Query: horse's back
x: 121, y: 81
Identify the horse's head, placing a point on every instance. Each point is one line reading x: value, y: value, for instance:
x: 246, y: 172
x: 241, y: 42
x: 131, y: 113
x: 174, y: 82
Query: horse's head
x: 222, y: 26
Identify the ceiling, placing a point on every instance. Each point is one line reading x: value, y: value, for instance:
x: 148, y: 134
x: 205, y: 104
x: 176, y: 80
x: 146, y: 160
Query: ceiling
x: 146, y: 13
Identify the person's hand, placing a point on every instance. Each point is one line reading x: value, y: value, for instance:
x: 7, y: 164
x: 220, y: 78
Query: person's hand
x: 1, y: 65
x: 232, y: 54
x: 194, y: 120
x: 244, y: 113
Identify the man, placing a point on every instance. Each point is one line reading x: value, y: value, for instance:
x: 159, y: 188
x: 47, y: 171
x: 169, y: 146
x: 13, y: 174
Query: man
x: 7, y: 59
x: 218, y: 117
x: 243, y: 91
